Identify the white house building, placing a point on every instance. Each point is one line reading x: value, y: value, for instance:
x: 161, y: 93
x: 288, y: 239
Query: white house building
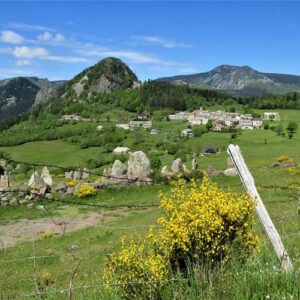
x: 187, y: 132
x: 123, y: 126
x: 271, y: 116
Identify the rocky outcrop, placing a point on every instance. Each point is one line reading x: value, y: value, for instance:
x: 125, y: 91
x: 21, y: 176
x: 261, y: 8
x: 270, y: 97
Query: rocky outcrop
x: 231, y: 172
x: 118, y: 170
x: 194, y: 164
x: 177, y: 166
x: 138, y: 166
x: 46, y: 177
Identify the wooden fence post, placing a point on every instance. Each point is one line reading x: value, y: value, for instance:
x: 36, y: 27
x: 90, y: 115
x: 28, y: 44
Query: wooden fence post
x: 261, y: 211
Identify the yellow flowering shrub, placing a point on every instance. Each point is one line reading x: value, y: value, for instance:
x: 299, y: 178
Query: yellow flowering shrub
x: 284, y: 159
x: 85, y: 191
x: 293, y: 170
x: 72, y: 183
x: 201, y: 224
x: 46, y: 234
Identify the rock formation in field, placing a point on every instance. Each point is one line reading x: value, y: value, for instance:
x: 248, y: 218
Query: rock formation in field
x: 138, y: 166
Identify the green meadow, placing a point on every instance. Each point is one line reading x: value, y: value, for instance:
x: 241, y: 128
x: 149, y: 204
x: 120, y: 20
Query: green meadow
x: 129, y: 210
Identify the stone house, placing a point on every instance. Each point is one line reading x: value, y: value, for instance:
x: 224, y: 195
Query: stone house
x: 271, y: 116
x: 187, y: 133
x: 143, y: 124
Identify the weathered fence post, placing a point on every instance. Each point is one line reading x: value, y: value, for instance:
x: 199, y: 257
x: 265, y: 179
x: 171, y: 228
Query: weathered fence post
x: 261, y: 211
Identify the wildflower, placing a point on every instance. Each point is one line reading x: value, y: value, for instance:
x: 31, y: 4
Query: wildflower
x: 201, y: 224
x: 85, y: 191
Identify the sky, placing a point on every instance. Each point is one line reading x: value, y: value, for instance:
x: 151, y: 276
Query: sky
x: 59, y: 39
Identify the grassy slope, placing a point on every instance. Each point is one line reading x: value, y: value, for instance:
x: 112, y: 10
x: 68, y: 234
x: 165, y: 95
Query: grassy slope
x: 95, y: 242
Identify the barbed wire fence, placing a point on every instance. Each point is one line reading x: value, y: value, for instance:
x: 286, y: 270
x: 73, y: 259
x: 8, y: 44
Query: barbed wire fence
x: 288, y: 226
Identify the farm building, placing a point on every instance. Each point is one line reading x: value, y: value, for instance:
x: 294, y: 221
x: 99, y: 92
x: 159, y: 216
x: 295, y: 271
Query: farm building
x: 271, y: 116
x: 187, y: 132
x: 154, y: 132
x: 210, y: 150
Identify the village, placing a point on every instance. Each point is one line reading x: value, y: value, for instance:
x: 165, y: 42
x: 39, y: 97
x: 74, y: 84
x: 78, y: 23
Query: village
x: 222, y: 120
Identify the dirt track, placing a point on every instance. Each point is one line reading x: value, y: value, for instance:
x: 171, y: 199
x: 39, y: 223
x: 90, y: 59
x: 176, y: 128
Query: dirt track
x: 26, y: 230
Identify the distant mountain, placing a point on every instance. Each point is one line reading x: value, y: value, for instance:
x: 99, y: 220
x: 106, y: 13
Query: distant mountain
x: 108, y: 75
x: 240, y: 81
x: 18, y: 95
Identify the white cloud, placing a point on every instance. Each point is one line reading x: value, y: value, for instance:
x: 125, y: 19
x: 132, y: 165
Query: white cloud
x: 59, y: 38
x: 67, y: 59
x: 11, y: 37
x: 157, y: 40
x: 46, y: 36
x: 6, y: 50
x: 25, y: 54
x: 136, y: 57
x: 30, y: 52
x: 23, y: 62
x: 29, y: 27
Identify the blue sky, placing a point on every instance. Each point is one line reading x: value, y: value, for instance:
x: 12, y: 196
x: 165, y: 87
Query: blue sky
x: 59, y: 39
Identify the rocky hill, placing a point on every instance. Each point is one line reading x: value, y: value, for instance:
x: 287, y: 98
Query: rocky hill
x: 108, y: 75
x: 18, y: 95
x: 240, y: 81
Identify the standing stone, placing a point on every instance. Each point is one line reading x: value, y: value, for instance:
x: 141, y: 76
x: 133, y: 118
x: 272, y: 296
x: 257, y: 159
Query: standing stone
x: 138, y: 165
x: 231, y: 172
x: 77, y: 175
x: 85, y: 173
x: 69, y: 175
x: 164, y: 170
x: 13, y: 202
x: 185, y: 169
x: 46, y: 177
x: 177, y: 166
x: 35, y: 180
x: 230, y: 163
x: 194, y: 164
x: 4, y: 181
x: 118, y: 169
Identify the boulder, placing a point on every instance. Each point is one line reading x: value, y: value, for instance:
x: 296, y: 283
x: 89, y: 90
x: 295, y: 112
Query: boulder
x: 77, y: 175
x: 194, y: 164
x: 43, y: 190
x: 230, y: 163
x: 13, y: 202
x: 118, y: 169
x: 177, y: 166
x: 35, y: 180
x: 138, y: 165
x: 231, y: 172
x: 85, y: 173
x: 70, y: 191
x: 69, y: 175
x: 31, y: 206
x: 46, y: 177
x: 164, y: 170
x: 23, y: 201
x: 61, y: 187
x: 213, y: 172
x: 4, y: 203
x: 48, y: 196
x: 185, y: 169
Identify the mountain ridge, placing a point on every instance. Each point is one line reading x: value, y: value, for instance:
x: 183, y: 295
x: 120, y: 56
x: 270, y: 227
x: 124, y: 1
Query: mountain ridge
x: 240, y: 80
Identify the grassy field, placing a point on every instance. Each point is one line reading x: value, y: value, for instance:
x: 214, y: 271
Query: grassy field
x: 259, y: 278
